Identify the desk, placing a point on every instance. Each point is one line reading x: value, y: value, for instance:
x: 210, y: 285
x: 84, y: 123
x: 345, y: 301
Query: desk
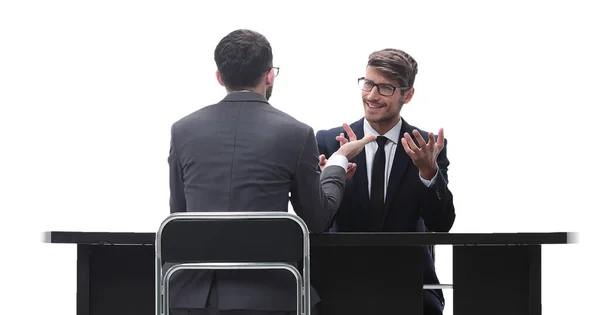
x: 497, y: 272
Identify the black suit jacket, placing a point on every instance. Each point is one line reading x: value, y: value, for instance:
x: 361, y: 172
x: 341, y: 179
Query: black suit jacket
x: 410, y: 206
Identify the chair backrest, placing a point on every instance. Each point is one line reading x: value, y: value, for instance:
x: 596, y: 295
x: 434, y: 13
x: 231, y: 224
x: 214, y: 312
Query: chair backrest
x: 232, y: 237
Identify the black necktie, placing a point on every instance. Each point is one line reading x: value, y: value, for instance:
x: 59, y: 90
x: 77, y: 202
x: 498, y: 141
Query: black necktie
x: 378, y: 184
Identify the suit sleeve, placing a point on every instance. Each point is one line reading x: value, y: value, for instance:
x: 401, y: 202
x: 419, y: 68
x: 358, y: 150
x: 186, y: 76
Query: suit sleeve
x: 437, y: 205
x: 316, y: 195
x: 177, y: 196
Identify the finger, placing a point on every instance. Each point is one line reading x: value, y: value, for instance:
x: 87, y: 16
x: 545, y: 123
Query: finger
x: 411, y: 144
x: 440, y: 139
x: 351, y: 169
x: 431, y: 139
x: 341, y: 139
x: 350, y: 132
x: 350, y: 173
x: 419, y: 138
x: 368, y: 138
x: 322, y: 160
x: 407, y: 148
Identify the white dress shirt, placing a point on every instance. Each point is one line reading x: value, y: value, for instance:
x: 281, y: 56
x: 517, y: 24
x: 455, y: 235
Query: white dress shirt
x: 393, y: 136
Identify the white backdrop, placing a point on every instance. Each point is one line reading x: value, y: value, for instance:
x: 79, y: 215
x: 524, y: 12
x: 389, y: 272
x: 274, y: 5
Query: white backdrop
x: 89, y: 89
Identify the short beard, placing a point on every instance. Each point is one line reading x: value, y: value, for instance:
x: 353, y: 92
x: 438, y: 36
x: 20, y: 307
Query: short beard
x: 269, y: 92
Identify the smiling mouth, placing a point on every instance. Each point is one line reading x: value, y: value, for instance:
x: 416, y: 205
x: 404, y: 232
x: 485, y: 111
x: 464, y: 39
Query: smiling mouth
x: 373, y: 105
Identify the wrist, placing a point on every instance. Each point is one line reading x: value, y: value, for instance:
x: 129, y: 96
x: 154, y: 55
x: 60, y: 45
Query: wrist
x: 338, y: 159
x: 428, y: 173
x: 341, y: 153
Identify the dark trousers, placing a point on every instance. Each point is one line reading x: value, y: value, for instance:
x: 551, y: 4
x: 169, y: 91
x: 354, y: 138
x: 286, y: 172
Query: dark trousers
x: 431, y: 304
x: 228, y: 312
x: 213, y: 303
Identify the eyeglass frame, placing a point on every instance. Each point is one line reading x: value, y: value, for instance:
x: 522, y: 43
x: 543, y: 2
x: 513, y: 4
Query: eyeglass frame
x: 276, y: 70
x: 401, y: 89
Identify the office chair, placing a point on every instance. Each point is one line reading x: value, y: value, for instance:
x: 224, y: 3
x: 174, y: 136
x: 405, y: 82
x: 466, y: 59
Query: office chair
x: 232, y: 240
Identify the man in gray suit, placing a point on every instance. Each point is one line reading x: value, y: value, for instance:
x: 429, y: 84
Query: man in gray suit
x: 242, y: 154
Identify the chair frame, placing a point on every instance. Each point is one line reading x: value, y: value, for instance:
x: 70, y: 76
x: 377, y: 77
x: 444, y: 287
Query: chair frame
x: 303, y: 305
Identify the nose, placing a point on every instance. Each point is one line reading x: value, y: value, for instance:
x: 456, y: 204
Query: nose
x: 373, y: 95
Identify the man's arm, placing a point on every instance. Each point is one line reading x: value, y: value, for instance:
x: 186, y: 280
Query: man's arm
x: 316, y: 196
x: 177, y: 198
x: 437, y: 205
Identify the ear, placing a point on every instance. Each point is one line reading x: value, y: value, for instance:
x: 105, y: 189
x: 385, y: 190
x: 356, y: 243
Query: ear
x: 219, y: 78
x: 408, y: 95
x: 270, y: 77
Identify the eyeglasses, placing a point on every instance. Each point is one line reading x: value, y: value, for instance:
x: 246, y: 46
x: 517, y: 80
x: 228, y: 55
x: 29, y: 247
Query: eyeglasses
x: 276, y: 69
x: 383, y: 88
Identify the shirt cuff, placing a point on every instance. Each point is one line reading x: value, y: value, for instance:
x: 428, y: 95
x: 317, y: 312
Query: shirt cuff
x: 430, y: 183
x: 338, y: 159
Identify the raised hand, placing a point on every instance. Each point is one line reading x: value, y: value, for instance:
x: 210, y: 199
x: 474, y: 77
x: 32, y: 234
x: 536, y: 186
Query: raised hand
x: 350, y: 152
x: 424, y: 155
x: 352, y: 148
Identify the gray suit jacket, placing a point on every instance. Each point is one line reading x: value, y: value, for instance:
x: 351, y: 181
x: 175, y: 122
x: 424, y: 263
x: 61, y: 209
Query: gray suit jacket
x: 243, y: 154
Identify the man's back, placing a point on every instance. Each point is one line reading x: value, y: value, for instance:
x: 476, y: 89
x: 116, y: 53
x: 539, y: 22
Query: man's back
x: 238, y: 155
x: 242, y: 154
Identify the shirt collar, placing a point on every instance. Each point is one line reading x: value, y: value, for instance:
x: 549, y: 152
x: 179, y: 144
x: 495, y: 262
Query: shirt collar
x: 392, y: 135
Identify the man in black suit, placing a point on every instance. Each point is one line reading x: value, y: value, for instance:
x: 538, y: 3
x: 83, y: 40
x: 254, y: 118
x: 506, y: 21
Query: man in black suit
x: 400, y: 182
x: 243, y: 154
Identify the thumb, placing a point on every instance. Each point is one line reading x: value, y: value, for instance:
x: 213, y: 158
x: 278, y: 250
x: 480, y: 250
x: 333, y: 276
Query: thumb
x: 368, y: 138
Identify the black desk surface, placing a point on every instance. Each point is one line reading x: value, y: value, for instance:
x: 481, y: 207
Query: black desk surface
x: 338, y: 239
x: 117, y: 279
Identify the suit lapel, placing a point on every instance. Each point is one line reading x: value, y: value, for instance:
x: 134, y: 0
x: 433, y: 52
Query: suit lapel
x: 360, y: 177
x: 399, y: 166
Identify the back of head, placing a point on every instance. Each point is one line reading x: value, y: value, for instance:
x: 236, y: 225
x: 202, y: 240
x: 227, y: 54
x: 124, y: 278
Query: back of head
x: 396, y: 65
x: 242, y: 57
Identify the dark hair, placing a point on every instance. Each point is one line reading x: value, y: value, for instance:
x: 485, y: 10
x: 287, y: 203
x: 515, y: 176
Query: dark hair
x: 396, y: 65
x: 242, y: 57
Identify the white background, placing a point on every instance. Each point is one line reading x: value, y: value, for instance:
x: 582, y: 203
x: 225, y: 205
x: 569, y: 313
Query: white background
x: 89, y: 89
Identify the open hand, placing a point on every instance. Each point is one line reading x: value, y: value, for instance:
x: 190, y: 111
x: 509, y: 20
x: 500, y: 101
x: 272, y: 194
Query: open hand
x: 424, y: 155
x: 352, y: 148
x: 343, y: 141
